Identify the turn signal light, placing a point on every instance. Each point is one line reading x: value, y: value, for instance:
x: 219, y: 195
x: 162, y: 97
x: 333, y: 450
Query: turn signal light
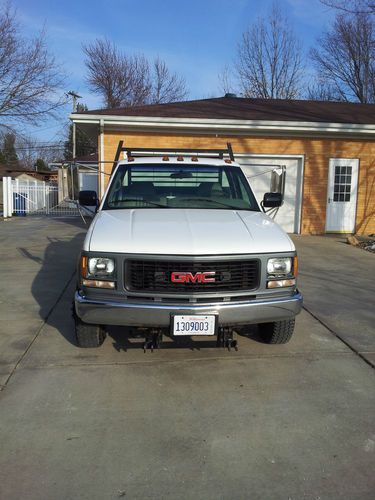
x: 84, y: 266
x: 295, y: 266
x: 98, y: 284
x: 281, y: 283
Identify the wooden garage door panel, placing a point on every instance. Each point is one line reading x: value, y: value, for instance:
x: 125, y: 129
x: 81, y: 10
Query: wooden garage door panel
x: 258, y: 172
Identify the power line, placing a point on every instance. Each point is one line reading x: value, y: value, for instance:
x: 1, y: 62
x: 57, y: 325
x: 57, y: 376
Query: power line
x: 33, y: 148
x: 58, y: 145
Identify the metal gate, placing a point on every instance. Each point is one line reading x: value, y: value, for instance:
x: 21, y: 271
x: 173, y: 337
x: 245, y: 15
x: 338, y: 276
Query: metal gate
x: 22, y: 198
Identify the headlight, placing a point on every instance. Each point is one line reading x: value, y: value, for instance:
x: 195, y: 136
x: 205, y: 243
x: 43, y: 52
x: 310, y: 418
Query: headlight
x: 280, y: 266
x: 100, y: 267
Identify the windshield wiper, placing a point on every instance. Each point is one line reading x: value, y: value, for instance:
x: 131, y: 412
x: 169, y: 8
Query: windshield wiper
x: 218, y: 203
x: 140, y: 201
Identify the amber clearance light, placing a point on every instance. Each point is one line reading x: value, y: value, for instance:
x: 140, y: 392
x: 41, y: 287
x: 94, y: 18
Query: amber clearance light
x: 84, y: 266
x: 295, y: 266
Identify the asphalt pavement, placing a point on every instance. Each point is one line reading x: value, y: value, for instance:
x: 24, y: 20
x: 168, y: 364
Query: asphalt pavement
x: 191, y: 420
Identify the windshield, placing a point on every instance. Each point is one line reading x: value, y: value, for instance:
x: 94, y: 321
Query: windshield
x: 179, y: 186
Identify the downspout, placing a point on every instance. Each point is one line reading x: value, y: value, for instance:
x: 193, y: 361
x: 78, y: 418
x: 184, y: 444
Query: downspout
x: 101, y: 158
x: 74, y: 141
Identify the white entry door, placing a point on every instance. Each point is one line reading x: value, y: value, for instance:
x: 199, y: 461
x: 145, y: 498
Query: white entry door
x: 342, y: 195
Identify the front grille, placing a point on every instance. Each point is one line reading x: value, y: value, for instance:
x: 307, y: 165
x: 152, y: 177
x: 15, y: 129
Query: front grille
x: 156, y: 275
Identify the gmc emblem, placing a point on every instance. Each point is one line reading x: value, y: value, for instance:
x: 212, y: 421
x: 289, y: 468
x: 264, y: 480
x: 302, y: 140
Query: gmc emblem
x: 182, y: 277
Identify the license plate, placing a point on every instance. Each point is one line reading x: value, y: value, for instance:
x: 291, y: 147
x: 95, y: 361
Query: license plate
x: 194, y: 325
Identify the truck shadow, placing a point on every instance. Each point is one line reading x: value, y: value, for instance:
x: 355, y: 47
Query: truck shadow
x: 54, y: 284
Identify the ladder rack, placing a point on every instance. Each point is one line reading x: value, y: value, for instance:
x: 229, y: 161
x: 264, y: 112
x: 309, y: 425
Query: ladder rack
x: 149, y: 152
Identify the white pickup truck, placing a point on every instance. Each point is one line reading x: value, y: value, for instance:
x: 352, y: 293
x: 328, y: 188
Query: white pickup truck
x: 180, y: 246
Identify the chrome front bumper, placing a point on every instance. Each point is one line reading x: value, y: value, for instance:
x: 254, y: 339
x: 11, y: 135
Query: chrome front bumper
x: 152, y: 314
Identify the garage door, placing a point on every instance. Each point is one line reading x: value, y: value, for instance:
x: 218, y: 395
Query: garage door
x: 88, y: 181
x: 258, y: 171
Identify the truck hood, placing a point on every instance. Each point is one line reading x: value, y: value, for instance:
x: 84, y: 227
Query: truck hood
x: 185, y: 232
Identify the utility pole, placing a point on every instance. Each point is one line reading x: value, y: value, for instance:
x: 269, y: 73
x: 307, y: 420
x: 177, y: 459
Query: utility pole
x: 74, y: 97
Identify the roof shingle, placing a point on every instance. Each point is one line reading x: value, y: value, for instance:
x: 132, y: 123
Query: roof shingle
x: 238, y: 108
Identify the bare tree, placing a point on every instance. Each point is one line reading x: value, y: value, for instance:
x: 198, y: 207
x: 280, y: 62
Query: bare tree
x: 29, y: 76
x: 110, y: 73
x: 226, y: 84
x: 166, y: 86
x: 140, y: 83
x: 21, y: 152
x: 269, y: 60
x: 124, y: 80
x: 29, y: 150
x: 345, y: 57
x: 319, y: 90
x: 360, y: 6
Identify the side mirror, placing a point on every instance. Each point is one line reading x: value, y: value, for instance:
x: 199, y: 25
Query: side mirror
x: 272, y: 200
x: 88, y: 198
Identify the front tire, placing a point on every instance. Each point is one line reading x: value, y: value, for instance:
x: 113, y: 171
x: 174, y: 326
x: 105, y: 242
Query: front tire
x: 277, y: 332
x: 89, y: 335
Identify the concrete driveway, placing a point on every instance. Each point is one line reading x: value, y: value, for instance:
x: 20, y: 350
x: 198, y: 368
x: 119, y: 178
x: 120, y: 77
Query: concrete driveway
x: 266, y: 422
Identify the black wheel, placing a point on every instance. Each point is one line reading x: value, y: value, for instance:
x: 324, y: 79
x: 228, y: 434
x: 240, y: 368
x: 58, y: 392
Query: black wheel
x: 89, y: 335
x: 278, y: 332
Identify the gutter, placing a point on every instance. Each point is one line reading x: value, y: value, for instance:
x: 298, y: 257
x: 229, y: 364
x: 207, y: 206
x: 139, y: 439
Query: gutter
x: 242, y: 126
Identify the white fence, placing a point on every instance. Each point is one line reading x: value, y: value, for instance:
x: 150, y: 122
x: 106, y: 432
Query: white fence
x: 24, y: 197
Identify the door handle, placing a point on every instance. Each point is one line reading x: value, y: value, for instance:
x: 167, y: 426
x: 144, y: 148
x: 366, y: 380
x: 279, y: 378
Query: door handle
x: 329, y: 200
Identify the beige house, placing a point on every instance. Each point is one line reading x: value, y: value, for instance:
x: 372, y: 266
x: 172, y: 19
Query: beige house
x: 327, y: 150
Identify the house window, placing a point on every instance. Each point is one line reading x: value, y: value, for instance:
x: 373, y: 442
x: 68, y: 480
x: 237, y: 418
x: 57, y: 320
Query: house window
x: 343, y: 183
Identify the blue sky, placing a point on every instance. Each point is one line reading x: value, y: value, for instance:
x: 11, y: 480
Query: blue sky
x: 195, y: 38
